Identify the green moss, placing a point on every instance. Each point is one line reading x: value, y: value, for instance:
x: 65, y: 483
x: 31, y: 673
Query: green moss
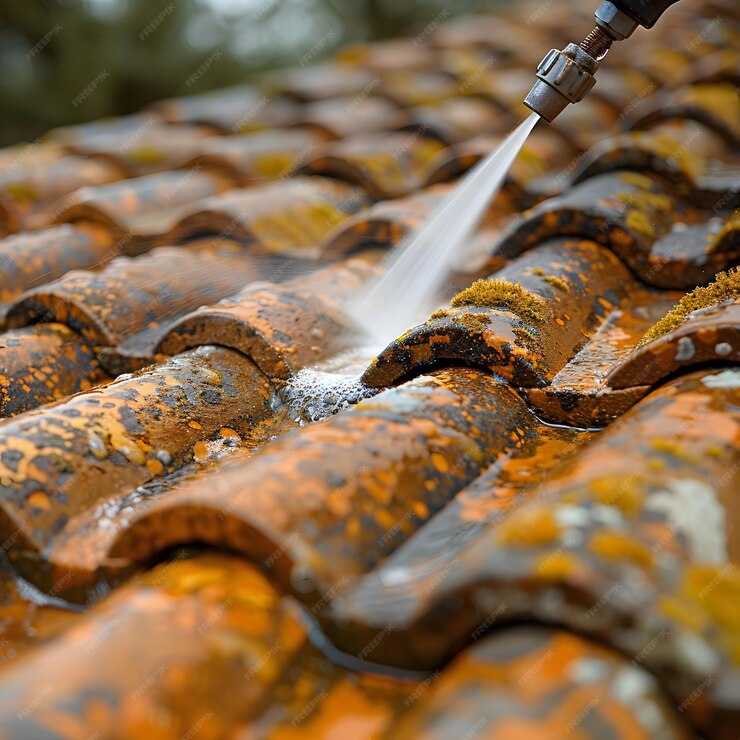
x: 725, y: 287
x: 474, y: 322
x: 716, y: 240
x: 525, y: 334
x: 501, y: 293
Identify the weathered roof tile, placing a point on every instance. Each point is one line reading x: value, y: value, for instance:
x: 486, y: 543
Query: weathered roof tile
x: 416, y: 524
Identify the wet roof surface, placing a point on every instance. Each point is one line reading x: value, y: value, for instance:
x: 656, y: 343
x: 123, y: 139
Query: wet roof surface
x: 528, y: 526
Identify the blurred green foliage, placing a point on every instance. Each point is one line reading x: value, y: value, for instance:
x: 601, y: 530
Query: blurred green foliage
x: 67, y: 61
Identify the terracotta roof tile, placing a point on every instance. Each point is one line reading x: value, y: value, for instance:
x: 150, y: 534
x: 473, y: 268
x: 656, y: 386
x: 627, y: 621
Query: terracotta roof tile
x: 33, y: 258
x: 503, y: 687
x: 291, y: 215
x: 605, y: 550
x: 352, y: 504
x: 139, y: 211
x: 250, y: 158
x: 45, y: 363
x: 375, y: 566
x: 282, y: 327
x: 32, y: 184
x: 386, y: 166
x: 567, y: 289
x: 224, y: 110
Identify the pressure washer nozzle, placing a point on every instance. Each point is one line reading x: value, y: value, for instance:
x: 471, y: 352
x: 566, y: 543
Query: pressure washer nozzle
x: 564, y: 77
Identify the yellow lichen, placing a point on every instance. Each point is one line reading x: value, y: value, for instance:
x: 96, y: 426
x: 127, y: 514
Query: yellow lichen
x: 501, y: 293
x: 620, y: 492
x: 717, y: 589
x: 672, y: 447
x: 556, y: 566
x: 675, y: 152
x: 529, y: 527
x: 639, y: 222
x: 637, y: 179
x: 683, y: 611
x: 556, y: 282
x: 659, y: 201
x: 725, y: 287
x: 617, y: 546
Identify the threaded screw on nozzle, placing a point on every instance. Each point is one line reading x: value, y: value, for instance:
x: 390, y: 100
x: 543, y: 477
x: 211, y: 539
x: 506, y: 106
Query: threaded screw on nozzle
x: 597, y: 43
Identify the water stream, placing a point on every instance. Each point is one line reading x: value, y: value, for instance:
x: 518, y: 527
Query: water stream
x: 417, y: 269
x: 409, y: 288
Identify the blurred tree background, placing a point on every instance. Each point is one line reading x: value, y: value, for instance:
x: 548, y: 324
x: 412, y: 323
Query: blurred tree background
x: 137, y: 51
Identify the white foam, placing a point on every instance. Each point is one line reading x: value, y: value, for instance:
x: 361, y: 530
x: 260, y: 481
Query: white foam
x: 313, y: 395
x: 316, y: 393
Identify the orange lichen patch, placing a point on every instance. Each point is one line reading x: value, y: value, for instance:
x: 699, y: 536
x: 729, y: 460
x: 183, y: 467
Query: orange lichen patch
x: 501, y: 293
x: 535, y: 673
x: 531, y: 526
x: 361, y: 472
x: 39, y: 500
x: 155, y: 467
x: 186, y: 629
x: 346, y: 709
x: 618, y: 546
x: 124, y: 434
x: 726, y: 287
x: 44, y: 363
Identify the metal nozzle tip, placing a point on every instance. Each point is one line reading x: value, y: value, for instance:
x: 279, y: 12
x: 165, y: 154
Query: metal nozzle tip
x: 546, y: 101
x: 563, y: 77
